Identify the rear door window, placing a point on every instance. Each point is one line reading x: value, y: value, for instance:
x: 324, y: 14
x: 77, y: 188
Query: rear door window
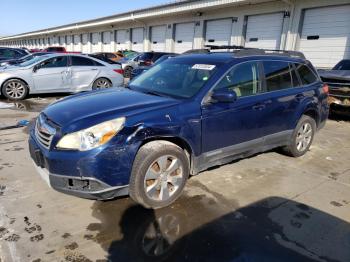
x: 306, y: 75
x: 83, y: 61
x: 278, y: 75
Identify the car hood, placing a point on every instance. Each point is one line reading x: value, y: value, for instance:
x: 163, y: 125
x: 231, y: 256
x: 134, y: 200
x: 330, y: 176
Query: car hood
x: 10, y: 68
x: 102, y: 105
x: 335, y: 74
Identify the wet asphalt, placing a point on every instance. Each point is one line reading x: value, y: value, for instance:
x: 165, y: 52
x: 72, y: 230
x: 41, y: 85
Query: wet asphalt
x: 265, y: 208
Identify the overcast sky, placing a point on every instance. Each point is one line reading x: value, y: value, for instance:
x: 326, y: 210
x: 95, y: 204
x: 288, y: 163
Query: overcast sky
x: 20, y: 16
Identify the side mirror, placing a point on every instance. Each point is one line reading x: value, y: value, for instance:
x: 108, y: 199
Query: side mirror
x: 224, y: 96
x: 36, y: 68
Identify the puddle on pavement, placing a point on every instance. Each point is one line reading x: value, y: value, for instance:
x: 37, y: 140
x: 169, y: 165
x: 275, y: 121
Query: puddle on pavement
x: 29, y: 105
x: 200, y: 228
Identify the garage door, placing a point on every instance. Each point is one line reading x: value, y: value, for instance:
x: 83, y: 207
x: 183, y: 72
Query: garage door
x: 85, y: 42
x: 106, y: 40
x: 325, y: 36
x: 95, y: 39
x: 62, y: 40
x: 158, y: 35
x: 120, y: 39
x: 264, y: 31
x: 137, y: 39
x: 184, y: 36
x: 218, y: 32
x: 76, y: 41
x: 69, y: 42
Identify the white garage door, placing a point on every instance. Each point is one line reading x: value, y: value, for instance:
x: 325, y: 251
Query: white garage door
x: 264, y: 31
x: 184, y: 36
x: 76, y: 40
x: 120, y: 39
x: 106, y: 38
x: 137, y: 39
x: 69, y: 42
x: 95, y: 39
x: 325, y: 36
x: 85, y: 42
x: 218, y: 32
x: 158, y: 35
x: 62, y: 40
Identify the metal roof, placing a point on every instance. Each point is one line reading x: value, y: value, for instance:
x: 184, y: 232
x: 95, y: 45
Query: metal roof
x: 158, y: 10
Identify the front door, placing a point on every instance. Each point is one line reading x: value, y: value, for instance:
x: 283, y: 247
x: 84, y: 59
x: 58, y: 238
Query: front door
x: 229, y: 128
x: 52, y: 75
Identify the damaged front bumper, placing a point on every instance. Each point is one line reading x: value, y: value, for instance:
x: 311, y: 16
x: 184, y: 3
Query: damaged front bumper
x: 101, y: 174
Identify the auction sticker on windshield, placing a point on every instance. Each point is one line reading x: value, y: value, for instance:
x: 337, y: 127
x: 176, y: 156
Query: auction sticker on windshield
x: 203, y: 67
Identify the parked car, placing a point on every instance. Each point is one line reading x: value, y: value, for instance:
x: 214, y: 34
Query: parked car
x: 108, y: 55
x: 140, y: 69
x: 338, y: 80
x: 35, y: 50
x: 179, y: 118
x: 129, y: 63
x: 22, y: 59
x: 104, y: 59
x: 7, y: 53
x: 58, y: 49
x: 53, y: 73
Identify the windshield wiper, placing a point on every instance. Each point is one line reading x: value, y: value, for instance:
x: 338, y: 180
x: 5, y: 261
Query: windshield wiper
x: 154, y: 93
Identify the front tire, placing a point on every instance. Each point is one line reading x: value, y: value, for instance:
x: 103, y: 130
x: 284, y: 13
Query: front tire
x: 15, y: 89
x: 127, y: 72
x: 302, y: 137
x: 159, y: 174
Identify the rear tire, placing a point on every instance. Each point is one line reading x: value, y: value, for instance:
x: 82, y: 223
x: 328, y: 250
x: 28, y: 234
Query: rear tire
x: 15, y: 89
x: 159, y: 174
x: 101, y: 83
x: 302, y: 137
x: 127, y: 72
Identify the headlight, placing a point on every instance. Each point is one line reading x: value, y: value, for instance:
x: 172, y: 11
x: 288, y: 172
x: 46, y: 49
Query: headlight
x: 92, y: 137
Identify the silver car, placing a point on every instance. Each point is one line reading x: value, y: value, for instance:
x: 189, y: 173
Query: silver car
x: 129, y: 64
x: 56, y: 73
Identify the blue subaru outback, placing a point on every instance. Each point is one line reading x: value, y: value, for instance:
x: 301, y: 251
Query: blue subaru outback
x: 179, y: 118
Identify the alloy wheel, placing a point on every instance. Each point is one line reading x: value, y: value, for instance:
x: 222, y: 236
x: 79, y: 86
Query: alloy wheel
x: 103, y: 83
x: 163, y: 178
x: 304, y: 137
x: 15, y: 89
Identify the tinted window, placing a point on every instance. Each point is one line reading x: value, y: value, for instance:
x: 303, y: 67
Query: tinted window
x: 243, y: 79
x: 110, y: 56
x: 342, y: 65
x: 59, y: 61
x: 8, y: 53
x: 306, y: 75
x: 278, y: 75
x: 83, y: 61
x: 146, y: 56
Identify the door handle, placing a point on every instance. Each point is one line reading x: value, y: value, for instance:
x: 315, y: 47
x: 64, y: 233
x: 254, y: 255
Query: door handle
x: 94, y: 69
x: 258, y: 107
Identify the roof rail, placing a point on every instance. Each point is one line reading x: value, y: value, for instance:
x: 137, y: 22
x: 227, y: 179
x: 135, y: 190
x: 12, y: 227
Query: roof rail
x: 246, y: 51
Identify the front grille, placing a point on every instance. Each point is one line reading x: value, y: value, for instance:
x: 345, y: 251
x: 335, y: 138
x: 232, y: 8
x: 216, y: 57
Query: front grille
x: 44, y: 132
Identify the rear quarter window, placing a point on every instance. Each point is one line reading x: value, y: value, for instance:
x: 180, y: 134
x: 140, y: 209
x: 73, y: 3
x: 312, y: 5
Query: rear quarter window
x: 278, y: 75
x: 307, y: 76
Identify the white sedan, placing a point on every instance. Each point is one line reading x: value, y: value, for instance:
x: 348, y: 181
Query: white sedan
x: 58, y: 73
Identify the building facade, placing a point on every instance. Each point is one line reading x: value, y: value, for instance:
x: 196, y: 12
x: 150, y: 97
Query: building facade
x: 319, y: 28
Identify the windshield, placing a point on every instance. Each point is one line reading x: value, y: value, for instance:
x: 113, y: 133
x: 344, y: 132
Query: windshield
x: 342, y: 65
x: 33, y: 61
x: 173, y: 78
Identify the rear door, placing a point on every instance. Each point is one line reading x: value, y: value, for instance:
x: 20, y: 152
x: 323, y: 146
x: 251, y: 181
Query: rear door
x: 83, y: 72
x: 52, y: 75
x: 281, y: 98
